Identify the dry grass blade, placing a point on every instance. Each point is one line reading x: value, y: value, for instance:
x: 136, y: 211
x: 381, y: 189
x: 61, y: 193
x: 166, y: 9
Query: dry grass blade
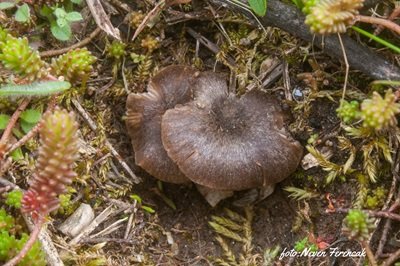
x: 102, y: 19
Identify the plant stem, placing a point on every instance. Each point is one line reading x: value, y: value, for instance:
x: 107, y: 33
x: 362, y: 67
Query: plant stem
x: 370, y: 255
x: 385, y: 214
x: 10, y: 126
x: 393, y: 16
x: 377, y: 39
x: 379, y: 21
x: 76, y: 45
x: 34, y: 130
x: 28, y: 245
x: 392, y: 259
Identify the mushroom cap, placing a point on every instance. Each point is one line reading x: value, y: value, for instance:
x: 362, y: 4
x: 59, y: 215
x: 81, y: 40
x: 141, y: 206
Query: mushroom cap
x: 229, y: 143
x: 171, y: 86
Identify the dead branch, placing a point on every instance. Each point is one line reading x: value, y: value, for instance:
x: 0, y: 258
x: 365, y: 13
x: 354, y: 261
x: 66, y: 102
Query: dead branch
x: 290, y: 19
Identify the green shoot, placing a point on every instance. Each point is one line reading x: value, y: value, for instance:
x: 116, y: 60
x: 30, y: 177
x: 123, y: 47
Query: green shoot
x: 377, y: 39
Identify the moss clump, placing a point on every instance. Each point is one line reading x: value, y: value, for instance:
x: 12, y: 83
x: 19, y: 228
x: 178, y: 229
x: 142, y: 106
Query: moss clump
x: 376, y: 198
x: 358, y: 225
x: 7, y: 222
x: 136, y: 19
x: 10, y: 245
x: 116, y: 50
x: 14, y: 198
x: 348, y: 111
x: 150, y: 43
x: 378, y: 112
x: 76, y: 65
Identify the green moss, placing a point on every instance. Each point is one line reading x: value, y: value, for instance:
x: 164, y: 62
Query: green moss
x: 14, y: 198
x: 6, y: 221
x: 349, y: 111
x: 358, y: 225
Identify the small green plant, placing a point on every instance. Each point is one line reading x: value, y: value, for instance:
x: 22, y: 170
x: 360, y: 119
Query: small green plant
x: 349, y: 111
x: 22, y: 13
x: 300, y: 194
x: 303, y: 244
x: 61, y: 27
x: 116, y: 50
x: 16, y: 55
x: 358, y: 225
x: 54, y: 172
x: 14, y: 198
x: 378, y: 112
x: 11, y: 244
x: 375, y: 198
x: 7, y: 222
x: 60, y: 20
x: 67, y: 207
x: 138, y: 199
x: 76, y: 65
x: 236, y: 227
x: 326, y: 16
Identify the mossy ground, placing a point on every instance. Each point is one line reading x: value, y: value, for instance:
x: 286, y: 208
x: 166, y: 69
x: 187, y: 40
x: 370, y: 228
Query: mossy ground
x: 178, y: 233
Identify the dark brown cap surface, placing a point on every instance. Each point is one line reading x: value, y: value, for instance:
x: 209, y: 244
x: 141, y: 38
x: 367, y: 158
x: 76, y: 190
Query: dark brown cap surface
x: 171, y: 86
x: 223, y: 142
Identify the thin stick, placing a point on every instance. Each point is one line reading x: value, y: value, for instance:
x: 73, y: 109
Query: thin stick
x: 379, y: 21
x: 28, y: 245
x: 395, y: 14
x: 392, y: 259
x: 82, y: 43
x: 346, y: 76
x: 10, y: 126
x: 370, y: 255
x: 385, y: 214
x: 382, y: 241
x: 34, y: 130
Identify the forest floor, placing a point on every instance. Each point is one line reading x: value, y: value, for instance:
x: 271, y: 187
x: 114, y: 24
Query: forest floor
x: 155, y: 223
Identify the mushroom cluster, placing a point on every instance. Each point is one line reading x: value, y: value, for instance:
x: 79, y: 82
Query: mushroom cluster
x: 188, y: 127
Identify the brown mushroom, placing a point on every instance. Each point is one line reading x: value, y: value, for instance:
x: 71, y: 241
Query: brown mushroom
x: 227, y: 143
x: 171, y: 86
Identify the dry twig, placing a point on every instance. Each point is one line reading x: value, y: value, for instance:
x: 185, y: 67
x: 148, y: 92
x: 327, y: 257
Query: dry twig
x: 379, y: 21
x: 82, y: 43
